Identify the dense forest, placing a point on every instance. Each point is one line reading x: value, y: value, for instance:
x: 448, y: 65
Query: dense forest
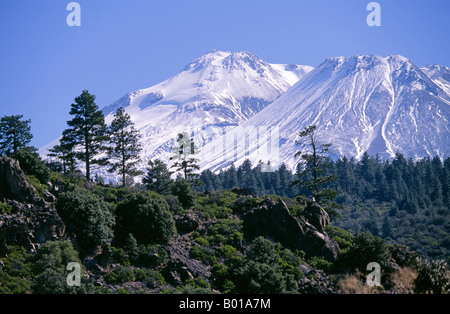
x: 170, y: 229
x: 402, y: 201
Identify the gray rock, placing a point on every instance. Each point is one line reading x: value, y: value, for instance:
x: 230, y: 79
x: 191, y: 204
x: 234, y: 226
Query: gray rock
x: 13, y: 184
x: 273, y: 220
x: 32, y: 220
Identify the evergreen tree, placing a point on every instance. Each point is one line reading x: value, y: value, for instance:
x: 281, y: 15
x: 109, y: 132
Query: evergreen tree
x: 286, y: 180
x: 182, y: 189
x: 211, y: 182
x: 345, y: 173
x: 230, y: 179
x: 88, y: 131
x: 50, y: 270
x: 125, y: 147
x: 313, y: 165
x: 184, y: 156
x: 15, y: 134
x: 446, y: 182
x: 246, y: 176
x: 65, y: 153
x: 158, y: 177
x: 382, y: 188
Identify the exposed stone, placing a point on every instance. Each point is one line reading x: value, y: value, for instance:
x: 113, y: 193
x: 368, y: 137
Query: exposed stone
x: 32, y: 220
x: 273, y: 220
x: 316, y: 216
x: 186, y: 223
x: 315, y: 282
x: 13, y: 184
x: 181, y: 267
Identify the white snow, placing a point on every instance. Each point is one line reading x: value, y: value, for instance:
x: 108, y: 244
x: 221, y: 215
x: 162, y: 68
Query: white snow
x: 237, y: 106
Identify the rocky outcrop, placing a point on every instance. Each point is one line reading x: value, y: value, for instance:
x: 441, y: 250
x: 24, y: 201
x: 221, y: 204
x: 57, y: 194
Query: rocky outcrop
x: 181, y: 266
x: 31, y: 221
x: 273, y: 220
x: 13, y: 184
x: 315, y: 281
x: 186, y: 223
x: 316, y: 216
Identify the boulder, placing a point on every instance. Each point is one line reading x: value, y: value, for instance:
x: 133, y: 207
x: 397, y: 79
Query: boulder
x: 186, y: 223
x: 13, y: 184
x: 316, y: 216
x: 274, y: 221
x: 181, y: 266
x: 32, y: 221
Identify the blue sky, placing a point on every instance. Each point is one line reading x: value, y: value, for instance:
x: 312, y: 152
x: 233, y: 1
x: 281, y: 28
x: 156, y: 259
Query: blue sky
x: 125, y: 45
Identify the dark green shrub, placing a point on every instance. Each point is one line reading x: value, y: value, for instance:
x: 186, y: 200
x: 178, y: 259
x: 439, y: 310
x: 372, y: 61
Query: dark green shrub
x: 131, y: 247
x: 433, y: 277
x: 120, y: 275
x: 226, y: 251
x: 87, y: 217
x: 151, y: 256
x: 49, y: 269
x: 36, y: 184
x: 182, y: 189
x: 147, y: 217
x: 32, y: 164
x: 16, y: 274
x: 366, y: 249
x: 119, y: 256
x: 204, y: 254
x: 262, y: 273
x: 5, y: 208
x: 342, y: 237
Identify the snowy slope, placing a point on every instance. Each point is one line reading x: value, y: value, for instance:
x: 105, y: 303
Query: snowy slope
x: 212, y: 95
x: 361, y: 103
x: 439, y: 74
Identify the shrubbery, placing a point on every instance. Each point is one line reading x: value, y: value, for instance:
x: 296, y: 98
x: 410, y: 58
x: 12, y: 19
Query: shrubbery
x: 146, y: 216
x: 16, y: 274
x: 87, y: 217
x: 262, y: 272
x: 49, y: 269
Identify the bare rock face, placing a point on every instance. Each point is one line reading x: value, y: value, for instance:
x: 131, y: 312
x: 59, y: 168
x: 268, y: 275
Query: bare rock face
x: 13, y: 184
x: 31, y: 221
x: 181, y: 267
x: 273, y: 220
x: 316, y: 216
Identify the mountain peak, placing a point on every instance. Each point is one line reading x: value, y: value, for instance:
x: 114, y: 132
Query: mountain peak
x: 227, y: 60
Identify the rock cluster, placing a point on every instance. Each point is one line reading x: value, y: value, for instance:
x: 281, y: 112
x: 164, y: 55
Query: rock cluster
x: 273, y: 220
x: 181, y: 267
x: 32, y: 220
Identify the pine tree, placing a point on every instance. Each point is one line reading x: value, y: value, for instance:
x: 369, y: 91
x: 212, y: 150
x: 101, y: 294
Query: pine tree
x: 158, y: 177
x: 15, y: 134
x: 184, y: 154
x: 125, y: 147
x: 88, y: 131
x: 65, y: 152
x: 313, y: 164
x: 286, y: 179
x: 346, y: 174
x: 230, y: 179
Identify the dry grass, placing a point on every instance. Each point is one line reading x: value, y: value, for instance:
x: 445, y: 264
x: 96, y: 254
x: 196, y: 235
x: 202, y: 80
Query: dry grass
x: 354, y: 284
x: 403, y: 281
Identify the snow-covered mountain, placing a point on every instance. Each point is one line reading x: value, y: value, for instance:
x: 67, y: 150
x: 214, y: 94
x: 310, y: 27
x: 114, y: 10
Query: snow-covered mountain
x: 212, y: 95
x: 439, y: 74
x: 360, y: 103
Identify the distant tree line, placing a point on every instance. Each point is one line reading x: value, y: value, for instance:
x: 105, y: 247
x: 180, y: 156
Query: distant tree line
x: 410, y: 184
